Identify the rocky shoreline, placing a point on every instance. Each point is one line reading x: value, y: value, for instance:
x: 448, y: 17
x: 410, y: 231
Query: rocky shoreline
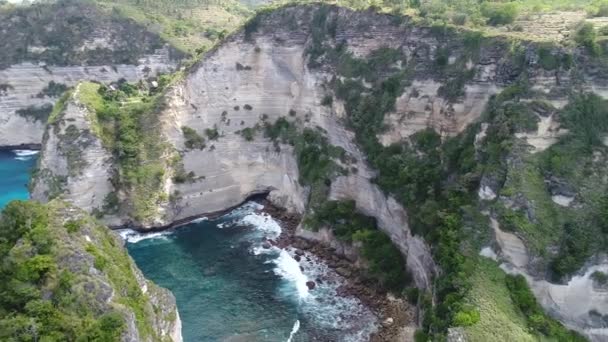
x: 397, y: 316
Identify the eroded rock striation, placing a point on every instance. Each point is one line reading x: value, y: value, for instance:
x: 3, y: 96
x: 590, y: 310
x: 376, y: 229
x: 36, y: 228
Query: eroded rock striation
x: 41, y: 55
x: 272, y: 70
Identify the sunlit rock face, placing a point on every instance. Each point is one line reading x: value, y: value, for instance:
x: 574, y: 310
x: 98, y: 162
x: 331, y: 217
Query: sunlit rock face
x: 41, y: 55
x: 265, y: 75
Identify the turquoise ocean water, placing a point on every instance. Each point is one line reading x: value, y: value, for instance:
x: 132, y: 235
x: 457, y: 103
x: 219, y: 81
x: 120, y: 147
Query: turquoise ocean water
x: 15, y: 168
x: 227, y: 286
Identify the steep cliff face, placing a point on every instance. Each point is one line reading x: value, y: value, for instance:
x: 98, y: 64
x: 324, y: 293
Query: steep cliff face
x: 48, y: 47
x: 75, y: 164
x: 295, y: 64
x: 80, y: 281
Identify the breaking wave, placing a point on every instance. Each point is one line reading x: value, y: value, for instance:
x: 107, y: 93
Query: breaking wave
x: 25, y: 154
x: 132, y: 236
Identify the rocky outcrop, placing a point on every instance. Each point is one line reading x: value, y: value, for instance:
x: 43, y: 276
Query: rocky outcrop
x: 25, y: 95
x: 41, y: 55
x: 87, y: 280
x: 74, y: 164
x: 263, y: 73
x: 577, y: 304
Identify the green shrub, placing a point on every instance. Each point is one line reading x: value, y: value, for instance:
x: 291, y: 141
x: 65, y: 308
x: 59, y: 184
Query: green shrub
x: 52, y: 90
x: 585, y: 36
x: 72, y: 226
x: 586, y: 116
x: 466, y: 317
x: 248, y: 133
x: 524, y: 299
x: 498, y: 13
x: 193, y: 139
x: 459, y: 19
x: 35, y: 113
x: 600, y: 277
x: 384, y: 259
x: 327, y: 101
x: 212, y: 133
x: 547, y: 59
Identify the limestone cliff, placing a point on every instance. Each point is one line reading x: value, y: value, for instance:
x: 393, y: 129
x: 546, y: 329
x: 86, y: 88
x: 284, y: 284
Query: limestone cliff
x: 75, y: 164
x: 45, y: 48
x: 286, y: 64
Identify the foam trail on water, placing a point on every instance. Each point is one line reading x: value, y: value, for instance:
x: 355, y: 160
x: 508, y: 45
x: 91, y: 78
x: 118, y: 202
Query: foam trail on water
x: 25, y: 153
x: 294, y: 330
x: 132, y: 236
x: 200, y: 219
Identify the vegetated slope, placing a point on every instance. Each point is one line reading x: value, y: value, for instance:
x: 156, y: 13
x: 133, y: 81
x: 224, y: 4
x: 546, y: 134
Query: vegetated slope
x: 340, y: 106
x: 192, y: 26
x: 65, y: 277
x: 49, y: 47
x: 72, y: 33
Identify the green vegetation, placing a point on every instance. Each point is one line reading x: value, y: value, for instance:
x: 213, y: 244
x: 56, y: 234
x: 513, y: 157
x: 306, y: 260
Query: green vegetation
x: 500, y: 319
x: 316, y: 157
x: 499, y: 13
x: 193, y: 139
x: 35, y: 113
x: 212, y: 133
x: 248, y: 133
x: 62, y: 28
x: 43, y: 296
x: 53, y: 89
x: 599, y: 277
x: 386, y: 264
x: 192, y: 26
x: 126, y: 122
x: 576, y: 162
x: 586, y: 36
x: 586, y: 116
x: 537, y: 320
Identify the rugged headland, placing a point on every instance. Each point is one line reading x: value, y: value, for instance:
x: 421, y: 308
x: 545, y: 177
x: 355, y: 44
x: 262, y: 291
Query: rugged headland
x: 68, y: 277
x: 453, y: 143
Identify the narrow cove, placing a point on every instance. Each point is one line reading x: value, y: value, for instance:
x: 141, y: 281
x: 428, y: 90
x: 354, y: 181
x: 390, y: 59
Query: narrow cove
x: 228, y: 286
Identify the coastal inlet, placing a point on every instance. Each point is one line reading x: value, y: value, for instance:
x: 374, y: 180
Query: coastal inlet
x: 232, y: 285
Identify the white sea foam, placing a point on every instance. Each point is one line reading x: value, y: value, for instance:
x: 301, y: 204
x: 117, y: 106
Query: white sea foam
x: 200, y: 219
x: 245, y: 209
x: 289, y: 269
x: 25, y: 153
x: 259, y: 250
x: 294, y: 330
x: 132, y: 236
x: 323, y: 307
x: 264, y: 223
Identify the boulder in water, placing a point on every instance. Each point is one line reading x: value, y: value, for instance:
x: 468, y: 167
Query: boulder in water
x: 311, y: 284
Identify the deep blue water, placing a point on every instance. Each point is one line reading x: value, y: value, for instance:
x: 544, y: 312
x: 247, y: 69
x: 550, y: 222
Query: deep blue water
x: 15, y: 168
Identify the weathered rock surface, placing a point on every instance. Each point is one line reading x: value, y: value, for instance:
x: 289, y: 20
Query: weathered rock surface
x: 576, y: 303
x: 74, y: 163
x: 103, y: 278
x: 265, y: 75
x: 27, y: 80
x: 37, y: 47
